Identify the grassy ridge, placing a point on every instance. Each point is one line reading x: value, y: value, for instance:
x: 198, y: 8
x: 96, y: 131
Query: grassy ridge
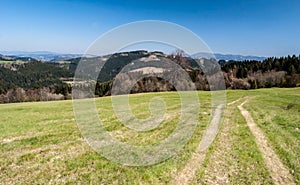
x: 40, y: 142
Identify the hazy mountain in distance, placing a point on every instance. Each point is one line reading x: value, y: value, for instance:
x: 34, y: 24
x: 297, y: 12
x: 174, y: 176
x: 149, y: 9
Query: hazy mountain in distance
x: 41, y: 55
x: 26, y: 53
x: 54, y: 57
x: 228, y: 57
x: 238, y: 57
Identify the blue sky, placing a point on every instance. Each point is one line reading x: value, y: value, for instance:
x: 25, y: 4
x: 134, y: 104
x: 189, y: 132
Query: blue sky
x: 253, y: 27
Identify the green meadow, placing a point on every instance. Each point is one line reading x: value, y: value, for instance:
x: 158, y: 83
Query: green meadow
x: 41, y: 143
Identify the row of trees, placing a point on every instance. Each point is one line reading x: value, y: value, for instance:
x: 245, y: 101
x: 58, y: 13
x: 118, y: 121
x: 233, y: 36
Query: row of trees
x: 272, y: 72
x: 289, y: 64
x: 20, y: 95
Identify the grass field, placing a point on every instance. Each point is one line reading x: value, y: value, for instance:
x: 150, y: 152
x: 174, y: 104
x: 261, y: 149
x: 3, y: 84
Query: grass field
x: 41, y: 144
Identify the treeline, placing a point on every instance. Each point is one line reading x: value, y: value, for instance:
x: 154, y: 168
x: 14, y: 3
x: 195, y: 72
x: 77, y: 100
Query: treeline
x: 20, y: 95
x: 39, y: 81
x: 272, y: 72
x: 289, y: 64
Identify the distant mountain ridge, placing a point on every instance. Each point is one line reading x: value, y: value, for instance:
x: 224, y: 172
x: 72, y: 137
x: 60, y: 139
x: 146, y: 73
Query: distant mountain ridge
x: 228, y: 57
x: 55, y: 57
x: 238, y: 57
x: 45, y: 56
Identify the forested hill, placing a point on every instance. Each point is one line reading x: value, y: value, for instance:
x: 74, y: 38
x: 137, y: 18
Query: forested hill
x: 289, y: 64
x: 32, y: 75
x: 35, y: 81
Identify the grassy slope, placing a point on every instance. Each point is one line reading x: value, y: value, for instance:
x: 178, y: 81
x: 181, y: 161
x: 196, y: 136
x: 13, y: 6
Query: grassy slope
x: 40, y: 142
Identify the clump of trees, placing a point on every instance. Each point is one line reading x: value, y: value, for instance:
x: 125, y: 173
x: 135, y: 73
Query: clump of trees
x: 272, y: 72
x: 20, y: 95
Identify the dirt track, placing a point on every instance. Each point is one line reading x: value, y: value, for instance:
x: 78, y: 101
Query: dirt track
x: 277, y: 170
x: 197, y: 159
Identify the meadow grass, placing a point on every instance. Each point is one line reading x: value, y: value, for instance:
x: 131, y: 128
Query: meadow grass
x: 40, y: 142
x: 277, y: 113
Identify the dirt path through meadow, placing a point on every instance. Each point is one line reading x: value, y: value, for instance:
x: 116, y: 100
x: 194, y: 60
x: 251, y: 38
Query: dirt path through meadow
x: 184, y: 176
x: 279, y: 173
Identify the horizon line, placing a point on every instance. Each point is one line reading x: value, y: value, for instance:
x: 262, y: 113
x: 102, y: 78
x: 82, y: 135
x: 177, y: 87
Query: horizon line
x: 12, y: 52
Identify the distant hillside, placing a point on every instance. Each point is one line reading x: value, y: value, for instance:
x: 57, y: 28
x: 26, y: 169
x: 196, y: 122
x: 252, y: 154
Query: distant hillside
x: 58, y: 76
x: 55, y: 57
x: 238, y: 57
x: 41, y: 55
x: 16, y: 58
x: 248, y: 74
x: 228, y: 57
x: 31, y: 75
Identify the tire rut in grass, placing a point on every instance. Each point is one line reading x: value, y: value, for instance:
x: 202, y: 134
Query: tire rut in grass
x: 184, y: 176
x: 277, y: 170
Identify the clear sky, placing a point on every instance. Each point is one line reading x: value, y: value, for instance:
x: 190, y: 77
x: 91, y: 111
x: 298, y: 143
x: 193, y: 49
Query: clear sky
x: 247, y: 27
